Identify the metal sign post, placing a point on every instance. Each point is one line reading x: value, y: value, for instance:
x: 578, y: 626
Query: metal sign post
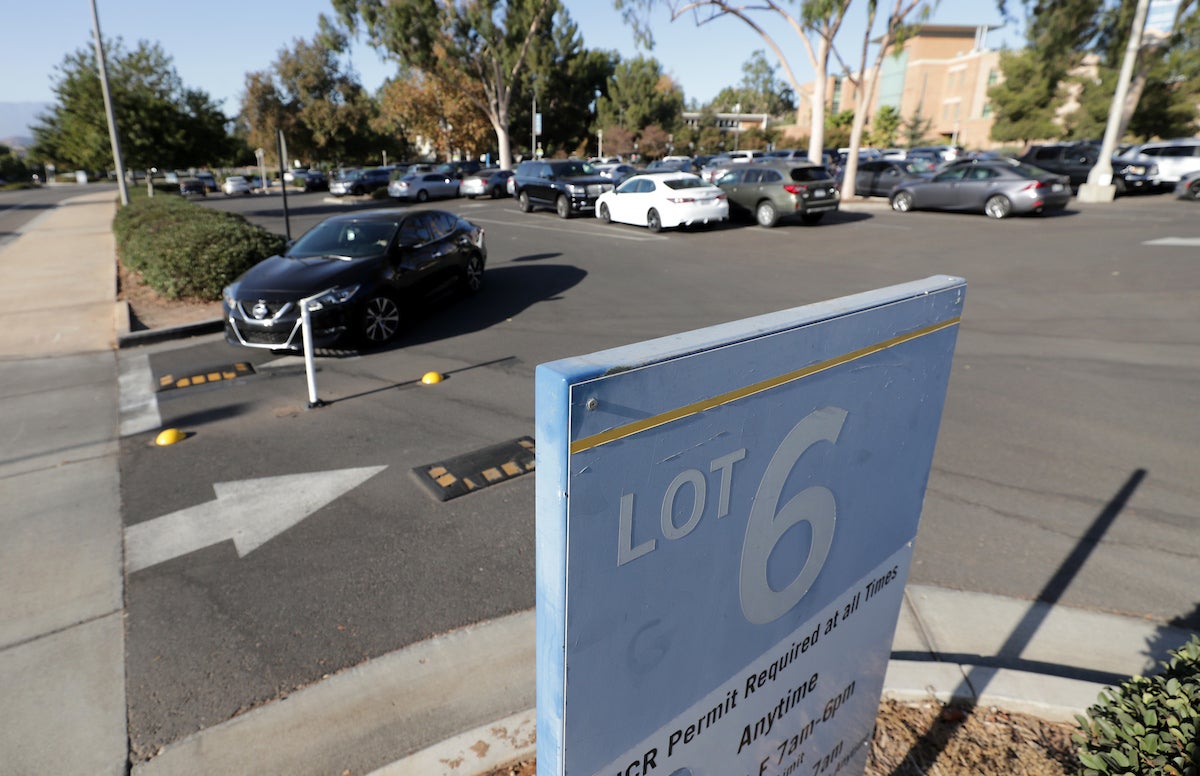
x: 725, y: 522
x: 310, y: 368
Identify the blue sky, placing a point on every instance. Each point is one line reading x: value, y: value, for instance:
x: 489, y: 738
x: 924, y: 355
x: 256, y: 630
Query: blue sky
x: 216, y: 42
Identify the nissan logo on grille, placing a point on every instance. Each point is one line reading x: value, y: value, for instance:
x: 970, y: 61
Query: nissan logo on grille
x: 260, y: 311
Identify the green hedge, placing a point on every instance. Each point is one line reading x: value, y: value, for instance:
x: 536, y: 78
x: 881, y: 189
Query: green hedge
x: 1147, y: 726
x: 184, y: 251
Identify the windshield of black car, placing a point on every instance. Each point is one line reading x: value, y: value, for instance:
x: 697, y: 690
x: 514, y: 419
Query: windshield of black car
x: 684, y: 183
x: 344, y: 239
x: 575, y: 168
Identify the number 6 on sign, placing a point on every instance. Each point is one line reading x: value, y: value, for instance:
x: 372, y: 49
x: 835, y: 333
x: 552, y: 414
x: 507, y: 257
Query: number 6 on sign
x: 768, y: 521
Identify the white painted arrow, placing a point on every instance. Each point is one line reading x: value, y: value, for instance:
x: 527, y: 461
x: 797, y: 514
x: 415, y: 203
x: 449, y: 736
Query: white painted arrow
x: 250, y: 512
x: 1182, y: 242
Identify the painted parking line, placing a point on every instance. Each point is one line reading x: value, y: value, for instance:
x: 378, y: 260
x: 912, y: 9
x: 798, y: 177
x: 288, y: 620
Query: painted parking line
x: 476, y: 470
x: 1181, y: 242
x: 137, y: 401
x: 607, y: 232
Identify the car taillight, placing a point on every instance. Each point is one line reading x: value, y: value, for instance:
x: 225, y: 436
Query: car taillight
x: 799, y: 190
x: 1035, y: 185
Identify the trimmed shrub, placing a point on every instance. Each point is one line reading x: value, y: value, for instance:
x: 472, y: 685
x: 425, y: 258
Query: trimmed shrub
x: 1147, y: 726
x: 184, y: 251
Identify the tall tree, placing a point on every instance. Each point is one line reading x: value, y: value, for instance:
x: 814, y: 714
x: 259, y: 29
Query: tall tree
x: 1058, y: 33
x: 896, y: 32
x: 416, y: 107
x: 457, y: 42
x: 816, y: 23
x: 1024, y: 100
x: 760, y: 90
x: 640, y: 94
x: 1161, y: 98
x: 162, y: 122
x: 567, y: 78
x: 323, y: 110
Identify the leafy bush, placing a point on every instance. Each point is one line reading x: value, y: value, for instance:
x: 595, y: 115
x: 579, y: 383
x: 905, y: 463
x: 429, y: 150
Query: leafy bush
x: 1147, y: 725
x: 184, y: 251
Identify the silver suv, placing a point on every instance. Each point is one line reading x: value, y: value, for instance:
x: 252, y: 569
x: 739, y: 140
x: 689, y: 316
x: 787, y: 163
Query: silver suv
x: 1174, y: 158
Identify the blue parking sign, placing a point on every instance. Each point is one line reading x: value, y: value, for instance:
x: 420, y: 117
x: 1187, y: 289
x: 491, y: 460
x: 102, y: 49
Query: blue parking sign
x: 724, y: 530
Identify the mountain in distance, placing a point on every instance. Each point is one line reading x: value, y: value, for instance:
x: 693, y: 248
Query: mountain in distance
x: 17, y: 120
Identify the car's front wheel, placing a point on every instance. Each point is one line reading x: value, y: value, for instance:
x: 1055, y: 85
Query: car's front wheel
x: 379, y: 321
x: 422, y: 196
x: 997, y: 207
x: 902, y: 202
x: 1193, y: 189
x: 654, y: 221
x: 523, y: 202
x: 562, y: 206
x: 766, y: 214
x: 602, y: 211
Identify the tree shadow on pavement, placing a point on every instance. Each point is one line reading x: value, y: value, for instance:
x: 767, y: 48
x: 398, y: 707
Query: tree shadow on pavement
x: 975, y: 682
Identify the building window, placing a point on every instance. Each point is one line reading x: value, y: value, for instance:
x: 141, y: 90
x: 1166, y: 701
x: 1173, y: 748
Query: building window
x: 987, y: 111
x: 993, y: 77
x: 836, y: 101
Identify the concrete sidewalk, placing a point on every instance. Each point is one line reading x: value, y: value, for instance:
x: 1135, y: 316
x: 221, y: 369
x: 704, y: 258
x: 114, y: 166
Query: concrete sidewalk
x: 62, y: 654
x: 458, y: 704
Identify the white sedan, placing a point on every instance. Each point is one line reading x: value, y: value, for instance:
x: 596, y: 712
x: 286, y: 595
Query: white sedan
x: 663, y: 199
x: 235, y: 184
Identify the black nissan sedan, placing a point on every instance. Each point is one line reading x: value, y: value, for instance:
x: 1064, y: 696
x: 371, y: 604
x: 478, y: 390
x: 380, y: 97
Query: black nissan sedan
x: 363, y: 274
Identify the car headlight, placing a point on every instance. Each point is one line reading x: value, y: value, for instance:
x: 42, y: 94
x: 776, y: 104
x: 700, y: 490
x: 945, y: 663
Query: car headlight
x: 575, y: 188
x: 227, y: 295
x: 332, y: 297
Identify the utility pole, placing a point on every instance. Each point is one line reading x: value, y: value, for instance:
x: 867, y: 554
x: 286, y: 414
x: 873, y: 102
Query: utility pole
x: 113, y: 137
x: 1099, y: 186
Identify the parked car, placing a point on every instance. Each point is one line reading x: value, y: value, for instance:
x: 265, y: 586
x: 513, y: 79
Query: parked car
x: 422, y: 187
x: 1173, y: 158
x: 192, y: 187
x: 997, y: 189
x: 235, y: 184
x: 209, y: 181
x: 372, y: 269
x: 1189, y: 186
x: 314, y: 180
x: 944, y: 153
x: 1076, y: 160
x: 662, y: 200
x: 569, y: 186
x: 459, y: 170
x: 361, y: 182
x: 670, y: 165
x: 877, y: 178
x: 769, y: 191
x: 716, y: 166
x: 616, y: 172
x: 491, y: 181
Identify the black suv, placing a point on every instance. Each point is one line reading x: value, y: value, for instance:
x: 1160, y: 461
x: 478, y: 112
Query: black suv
x: 1076, y: 160
x: 568, y: 185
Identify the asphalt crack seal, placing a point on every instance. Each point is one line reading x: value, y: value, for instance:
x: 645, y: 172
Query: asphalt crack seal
x: 477, y: 470
x: 214, y: 375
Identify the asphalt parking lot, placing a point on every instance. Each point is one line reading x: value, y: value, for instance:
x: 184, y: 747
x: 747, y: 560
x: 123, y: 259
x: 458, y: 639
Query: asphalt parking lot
x: 1065, y: 462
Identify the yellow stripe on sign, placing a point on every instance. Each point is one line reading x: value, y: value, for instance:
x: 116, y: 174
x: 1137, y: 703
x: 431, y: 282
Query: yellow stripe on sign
x: 695, y: 408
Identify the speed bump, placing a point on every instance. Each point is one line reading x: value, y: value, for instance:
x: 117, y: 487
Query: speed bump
x: 477, y: 470
x: 170, y: 382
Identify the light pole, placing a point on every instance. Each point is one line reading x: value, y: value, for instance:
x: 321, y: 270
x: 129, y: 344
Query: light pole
x: 262, y: 169
x: 113, y: 137
x: 1099, y: 186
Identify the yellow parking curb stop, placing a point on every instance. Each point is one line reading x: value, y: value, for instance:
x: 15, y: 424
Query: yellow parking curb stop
x: 431, y: 378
